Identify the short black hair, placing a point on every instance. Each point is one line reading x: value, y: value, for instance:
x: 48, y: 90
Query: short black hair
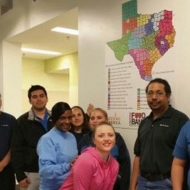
x: 34, y: 88
x: 167, y: 87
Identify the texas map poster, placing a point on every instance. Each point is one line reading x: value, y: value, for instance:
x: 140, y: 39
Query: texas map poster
x: 145, y: 51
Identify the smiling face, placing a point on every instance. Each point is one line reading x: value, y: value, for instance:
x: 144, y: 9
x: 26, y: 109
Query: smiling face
x: 97, y: 116
x: 38, y: 100
x: 104, y: 138
x: 64, y: 121
x: 157, y: 98
x: 77, y: 117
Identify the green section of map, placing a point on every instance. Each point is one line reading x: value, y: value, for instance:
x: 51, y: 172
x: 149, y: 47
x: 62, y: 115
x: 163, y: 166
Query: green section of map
x: 145, y: 37
x: 119, y: 46
x: 129, y: 10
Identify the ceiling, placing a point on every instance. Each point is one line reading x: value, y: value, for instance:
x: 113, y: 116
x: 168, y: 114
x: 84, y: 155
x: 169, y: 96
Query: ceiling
x: 41, y: 37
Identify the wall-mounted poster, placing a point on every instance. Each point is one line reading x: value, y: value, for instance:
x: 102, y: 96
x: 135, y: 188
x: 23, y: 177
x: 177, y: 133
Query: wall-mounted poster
x: 143, y: 52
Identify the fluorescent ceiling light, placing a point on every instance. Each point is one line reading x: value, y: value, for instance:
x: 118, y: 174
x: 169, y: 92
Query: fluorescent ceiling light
x: 65, y: 30
x: 40, y: 51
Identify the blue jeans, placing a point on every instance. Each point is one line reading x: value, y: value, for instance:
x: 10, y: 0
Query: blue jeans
x: 143, y: 184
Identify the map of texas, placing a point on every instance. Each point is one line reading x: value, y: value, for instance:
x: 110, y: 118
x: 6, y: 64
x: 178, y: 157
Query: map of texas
x: 145, y: 37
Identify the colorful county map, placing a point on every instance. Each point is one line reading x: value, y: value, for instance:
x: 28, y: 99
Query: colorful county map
x: 145, y: 37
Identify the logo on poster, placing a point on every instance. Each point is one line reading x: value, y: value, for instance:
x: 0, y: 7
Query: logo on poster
x: 115, y: 120
x: 136, y: 117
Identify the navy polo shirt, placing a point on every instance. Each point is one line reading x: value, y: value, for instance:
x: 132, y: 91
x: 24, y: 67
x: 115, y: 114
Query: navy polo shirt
x: 156, y: 140
x: 44, y: 120
x: 7, y: 123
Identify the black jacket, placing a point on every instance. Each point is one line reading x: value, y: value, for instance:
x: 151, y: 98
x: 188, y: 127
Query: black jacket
x: 26, y: 134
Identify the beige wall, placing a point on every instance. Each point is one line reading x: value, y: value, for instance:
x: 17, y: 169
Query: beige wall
x: 57, y: 85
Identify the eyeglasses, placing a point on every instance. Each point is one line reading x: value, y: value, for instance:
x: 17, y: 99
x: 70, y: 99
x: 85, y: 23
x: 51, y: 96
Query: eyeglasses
x: 157, y: 94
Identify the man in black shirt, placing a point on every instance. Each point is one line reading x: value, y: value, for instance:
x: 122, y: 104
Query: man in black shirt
x: 7, y: 179
x: 156, y: 139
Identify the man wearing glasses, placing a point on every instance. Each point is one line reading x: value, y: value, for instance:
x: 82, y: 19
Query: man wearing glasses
x: 156, y: 139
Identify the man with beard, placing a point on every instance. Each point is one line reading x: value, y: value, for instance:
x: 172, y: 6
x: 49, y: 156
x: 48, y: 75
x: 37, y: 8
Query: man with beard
x: 28, y: 130
x: 156, y: 139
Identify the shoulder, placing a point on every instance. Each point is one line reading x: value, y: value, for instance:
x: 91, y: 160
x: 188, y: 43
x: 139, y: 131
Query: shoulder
x: 8, y: 116
x: 49, y: 135
x: 178, y: 113
x: 70, y: 134
x: 119, y: 138
x: 46, y: 139
x: 118, y: 135
x: 23, y: 116
x: 146, y: 121
x: 86, y: 159
x: 186, y: 127
x: 114, y: 162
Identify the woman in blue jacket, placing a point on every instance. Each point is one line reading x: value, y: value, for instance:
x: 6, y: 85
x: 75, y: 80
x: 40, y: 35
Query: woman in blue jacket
x: 56, y: 149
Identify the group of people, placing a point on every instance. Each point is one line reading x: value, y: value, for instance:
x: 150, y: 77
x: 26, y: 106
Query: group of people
x: 45, y: 148
x: 68, y: 149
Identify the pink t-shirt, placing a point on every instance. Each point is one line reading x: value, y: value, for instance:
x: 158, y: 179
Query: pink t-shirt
x: 90, y: 172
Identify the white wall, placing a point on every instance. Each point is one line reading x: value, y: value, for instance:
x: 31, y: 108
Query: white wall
x: 100, y: 22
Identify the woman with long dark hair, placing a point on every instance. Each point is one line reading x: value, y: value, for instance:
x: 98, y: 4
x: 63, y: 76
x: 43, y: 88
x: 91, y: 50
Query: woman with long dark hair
x: 79, y: 124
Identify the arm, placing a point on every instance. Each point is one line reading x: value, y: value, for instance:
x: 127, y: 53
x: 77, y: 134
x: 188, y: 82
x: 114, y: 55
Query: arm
x: 83, y: 172
x: 180, y: 167
x: 135, y: 173
x: 24, y: 183
x: 49, y: 167
x: 177, y: 173
x: 89, y: 109
x: 124, y: 163
x: 17, y: 150
x: 5, y: 161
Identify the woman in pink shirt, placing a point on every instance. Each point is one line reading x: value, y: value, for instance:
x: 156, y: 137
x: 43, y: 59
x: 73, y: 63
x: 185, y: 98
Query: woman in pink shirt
x: 95, y: 168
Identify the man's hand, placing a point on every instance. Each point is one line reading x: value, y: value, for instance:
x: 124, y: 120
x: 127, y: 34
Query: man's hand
x: 24, y: 183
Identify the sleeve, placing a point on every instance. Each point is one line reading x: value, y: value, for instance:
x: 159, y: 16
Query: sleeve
x: 115, y: 170
x: 12, y: 125
x: 124, y: 164
x: 48, y: 166
x: 7, y: 139
x: 182, y: 143
x: 17, y: 149
x: 83, y: 172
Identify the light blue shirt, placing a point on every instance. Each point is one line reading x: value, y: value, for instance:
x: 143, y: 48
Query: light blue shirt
x: 56, y: 150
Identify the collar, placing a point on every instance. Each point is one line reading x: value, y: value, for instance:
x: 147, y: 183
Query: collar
x: 167, y: 113
x: 31, y: 115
